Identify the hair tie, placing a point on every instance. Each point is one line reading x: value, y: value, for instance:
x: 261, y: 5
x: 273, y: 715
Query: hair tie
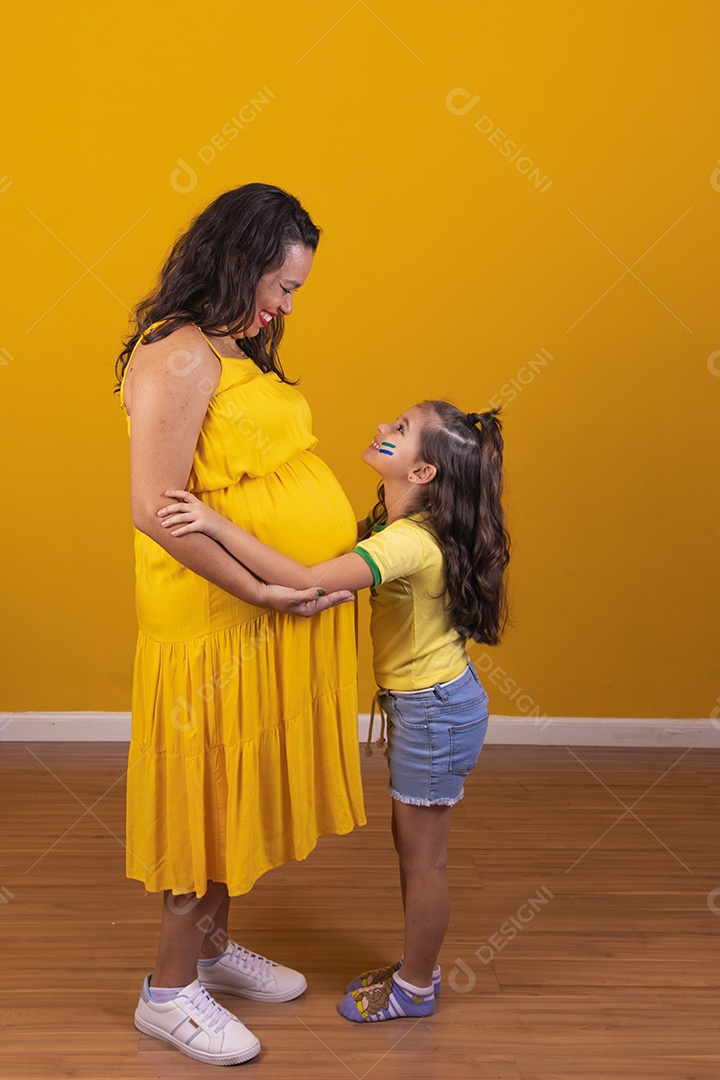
x: 474, y: 418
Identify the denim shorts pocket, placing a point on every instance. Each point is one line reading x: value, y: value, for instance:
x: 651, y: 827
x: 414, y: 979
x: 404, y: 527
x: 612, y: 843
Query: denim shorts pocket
x: 457, y: 708
x: 466, y: 741
x: 471, y: 699
x: 405, y: 712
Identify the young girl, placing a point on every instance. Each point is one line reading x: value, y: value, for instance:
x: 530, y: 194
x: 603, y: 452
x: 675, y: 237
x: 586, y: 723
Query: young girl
x: 433, y: 556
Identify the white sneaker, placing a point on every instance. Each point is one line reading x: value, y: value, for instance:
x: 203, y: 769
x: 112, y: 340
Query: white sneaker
x: 195, y: 1023
x: 245, y: 973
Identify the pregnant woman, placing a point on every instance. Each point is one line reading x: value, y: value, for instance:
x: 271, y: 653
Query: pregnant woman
x: 244, y: 742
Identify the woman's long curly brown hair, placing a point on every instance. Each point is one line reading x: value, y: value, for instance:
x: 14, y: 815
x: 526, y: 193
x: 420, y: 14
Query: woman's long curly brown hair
x: 463, y: 504
x: 214, y: 267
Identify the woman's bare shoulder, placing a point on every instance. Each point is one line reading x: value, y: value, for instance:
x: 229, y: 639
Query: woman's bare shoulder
x: 183, y: 363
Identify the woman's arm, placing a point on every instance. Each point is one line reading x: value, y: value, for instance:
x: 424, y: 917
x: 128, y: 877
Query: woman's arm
x: 171, y: 389
x: 188, y: 515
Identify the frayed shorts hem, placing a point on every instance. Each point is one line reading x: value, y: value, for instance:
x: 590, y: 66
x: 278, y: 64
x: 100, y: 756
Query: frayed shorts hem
x: 411, y: 800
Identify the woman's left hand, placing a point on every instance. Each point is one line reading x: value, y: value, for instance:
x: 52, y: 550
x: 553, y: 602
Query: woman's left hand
x: 189, y: 514
x: 305, y: 602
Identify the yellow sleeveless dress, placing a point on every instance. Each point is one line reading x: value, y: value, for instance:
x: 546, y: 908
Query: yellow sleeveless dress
x: 245, y: 744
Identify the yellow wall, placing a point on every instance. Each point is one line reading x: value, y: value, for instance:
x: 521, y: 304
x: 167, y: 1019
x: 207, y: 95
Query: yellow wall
x: 585, y: 269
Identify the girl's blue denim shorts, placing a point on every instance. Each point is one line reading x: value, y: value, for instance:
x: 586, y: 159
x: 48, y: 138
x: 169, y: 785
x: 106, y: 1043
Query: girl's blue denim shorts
x: 434, y: 739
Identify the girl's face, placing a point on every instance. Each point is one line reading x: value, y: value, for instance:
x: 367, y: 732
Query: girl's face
x: 275, y: 290
x: 395, y: 450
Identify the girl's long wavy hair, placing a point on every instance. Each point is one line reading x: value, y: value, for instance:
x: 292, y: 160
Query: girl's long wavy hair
x: 213, y: 269
x: 463, y: 504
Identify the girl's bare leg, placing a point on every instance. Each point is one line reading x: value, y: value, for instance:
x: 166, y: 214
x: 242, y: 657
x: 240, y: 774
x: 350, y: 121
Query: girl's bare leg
x: 421, y: 837
x: 187, y: 927
x: 403, y: 882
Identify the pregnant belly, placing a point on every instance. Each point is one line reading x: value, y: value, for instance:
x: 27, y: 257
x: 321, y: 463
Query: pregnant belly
x: 300, y: 510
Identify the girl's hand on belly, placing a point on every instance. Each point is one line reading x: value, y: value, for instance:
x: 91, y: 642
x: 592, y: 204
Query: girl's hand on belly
x: 304, y: 602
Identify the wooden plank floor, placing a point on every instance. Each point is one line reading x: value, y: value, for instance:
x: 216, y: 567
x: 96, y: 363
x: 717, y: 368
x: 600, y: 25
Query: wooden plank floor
x: 584, y: 942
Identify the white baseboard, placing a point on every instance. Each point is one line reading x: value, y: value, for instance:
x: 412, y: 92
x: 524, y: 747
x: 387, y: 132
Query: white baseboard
x: 602, y: 731
x: 508, y: 730
x: 65, y: 727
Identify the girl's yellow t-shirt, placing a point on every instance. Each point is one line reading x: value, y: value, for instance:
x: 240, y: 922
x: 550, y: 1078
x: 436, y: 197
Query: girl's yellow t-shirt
x: 415, y: 643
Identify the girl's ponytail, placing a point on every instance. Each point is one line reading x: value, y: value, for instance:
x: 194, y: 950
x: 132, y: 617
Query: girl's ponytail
x: 492, y: 548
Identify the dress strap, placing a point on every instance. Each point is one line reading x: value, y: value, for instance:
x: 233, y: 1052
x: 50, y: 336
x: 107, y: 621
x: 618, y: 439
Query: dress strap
x: 220, y: 358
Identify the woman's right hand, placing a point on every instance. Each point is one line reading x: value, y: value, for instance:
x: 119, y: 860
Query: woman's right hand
x: 305, y: 602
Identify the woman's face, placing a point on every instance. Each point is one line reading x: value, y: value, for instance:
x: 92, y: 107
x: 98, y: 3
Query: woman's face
x: 275, y: 290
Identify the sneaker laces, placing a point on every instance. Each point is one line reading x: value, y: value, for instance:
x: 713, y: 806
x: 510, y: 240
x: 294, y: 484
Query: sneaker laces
x: 207, y: 1009
x: 250, y: 962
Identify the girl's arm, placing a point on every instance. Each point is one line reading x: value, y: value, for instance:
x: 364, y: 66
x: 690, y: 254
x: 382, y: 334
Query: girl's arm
x: 188, y: 514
